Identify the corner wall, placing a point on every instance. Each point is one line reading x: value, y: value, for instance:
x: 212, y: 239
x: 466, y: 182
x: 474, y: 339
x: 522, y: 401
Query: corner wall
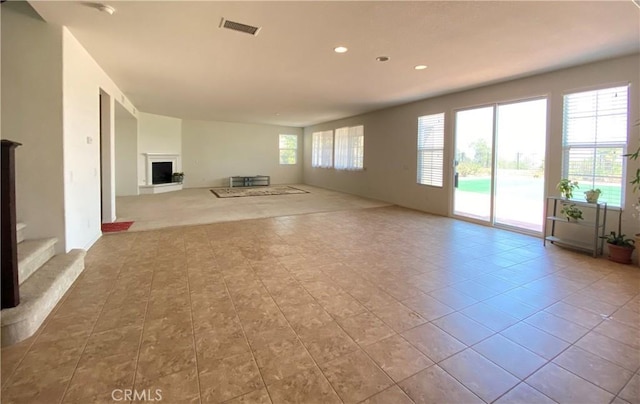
x: 390, y: 156
x: 214, y: 151
x: 126, y: 152
x: 31, y: 110
x: 157, y: 134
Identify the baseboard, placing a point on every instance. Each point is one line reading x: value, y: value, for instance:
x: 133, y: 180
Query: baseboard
x: 92, y: 241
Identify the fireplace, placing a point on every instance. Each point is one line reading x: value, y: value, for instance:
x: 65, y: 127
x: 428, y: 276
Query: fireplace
x: 161, y: 172
x: 172, y: 161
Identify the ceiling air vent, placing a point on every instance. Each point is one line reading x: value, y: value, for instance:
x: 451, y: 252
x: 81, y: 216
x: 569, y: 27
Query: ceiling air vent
x: 237, y: 26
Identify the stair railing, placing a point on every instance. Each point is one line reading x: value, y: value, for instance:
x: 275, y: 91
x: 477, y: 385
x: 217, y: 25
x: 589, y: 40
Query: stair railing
x: 9, y: 282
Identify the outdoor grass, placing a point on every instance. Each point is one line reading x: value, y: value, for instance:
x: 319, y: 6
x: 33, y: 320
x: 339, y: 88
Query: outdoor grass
x: 483, y: 186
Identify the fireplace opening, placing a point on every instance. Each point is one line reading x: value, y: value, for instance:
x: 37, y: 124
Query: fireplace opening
x: 161, y: 173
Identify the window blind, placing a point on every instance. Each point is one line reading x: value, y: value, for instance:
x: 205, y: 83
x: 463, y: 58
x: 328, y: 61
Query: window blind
x: 431, y: 149
x: 349, y: 148
x: 322, y: 149
x: 595, y: 140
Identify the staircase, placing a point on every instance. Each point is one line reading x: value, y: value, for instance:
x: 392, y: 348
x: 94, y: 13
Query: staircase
x: 44, y: 278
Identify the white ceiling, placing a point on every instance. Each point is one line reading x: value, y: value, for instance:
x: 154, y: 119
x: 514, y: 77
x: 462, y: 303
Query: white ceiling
x: 170, y: 57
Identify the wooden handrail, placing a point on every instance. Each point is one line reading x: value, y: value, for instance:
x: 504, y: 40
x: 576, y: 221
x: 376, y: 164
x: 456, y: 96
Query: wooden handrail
x: 9, y: 261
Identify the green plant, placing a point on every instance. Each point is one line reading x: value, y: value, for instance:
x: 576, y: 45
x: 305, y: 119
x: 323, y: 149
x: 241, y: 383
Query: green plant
x: 620, y: 240
x: 177, y: 177
x: 566, y: 187
x: 634, y: 156
x: 571, y: 211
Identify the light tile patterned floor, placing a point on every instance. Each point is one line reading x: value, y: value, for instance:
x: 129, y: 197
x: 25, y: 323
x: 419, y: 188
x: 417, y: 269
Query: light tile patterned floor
x: 381, y: 305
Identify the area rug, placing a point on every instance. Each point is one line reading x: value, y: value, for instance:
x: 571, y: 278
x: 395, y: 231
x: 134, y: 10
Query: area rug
x: 116, y: 226
x: 257, y: 191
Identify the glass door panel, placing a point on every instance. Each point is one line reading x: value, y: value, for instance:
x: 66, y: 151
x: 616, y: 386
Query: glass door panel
x: 519, y: 176
x: 474, y: 163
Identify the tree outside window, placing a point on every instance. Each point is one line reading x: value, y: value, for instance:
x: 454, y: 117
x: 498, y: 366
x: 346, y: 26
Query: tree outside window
x: 288, y: 149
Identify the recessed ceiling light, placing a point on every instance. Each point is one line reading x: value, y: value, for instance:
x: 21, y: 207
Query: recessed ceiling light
x: 420, y: 67
x: 382, y: 58
x: 340, y: 49
x: 106, y: 9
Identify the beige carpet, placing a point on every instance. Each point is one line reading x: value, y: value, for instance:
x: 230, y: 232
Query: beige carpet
x: 197, y: 206
x: 256, y: 191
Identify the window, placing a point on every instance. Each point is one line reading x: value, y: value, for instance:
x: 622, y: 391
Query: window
x: 349, y: 148
x: 288, y: 149
x: 322, y: 149
x: 431, y: 149
x: 595, y: 140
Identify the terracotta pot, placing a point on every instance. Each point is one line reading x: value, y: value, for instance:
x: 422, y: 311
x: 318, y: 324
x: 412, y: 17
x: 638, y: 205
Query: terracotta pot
x: 620, y: 254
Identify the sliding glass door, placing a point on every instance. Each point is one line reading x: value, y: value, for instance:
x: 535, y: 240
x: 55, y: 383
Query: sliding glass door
x: 499, y: 171
x: 474, y: 163
x: 520, y: 150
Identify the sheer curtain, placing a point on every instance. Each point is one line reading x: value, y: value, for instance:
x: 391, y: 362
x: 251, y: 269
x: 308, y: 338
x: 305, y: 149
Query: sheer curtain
x: 322, y: 149
x: 349, y: 148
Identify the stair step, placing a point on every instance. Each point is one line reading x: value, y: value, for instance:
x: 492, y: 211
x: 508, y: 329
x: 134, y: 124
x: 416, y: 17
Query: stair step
x: 39, y: 295
x: 32, y: 254
x: 20, y: 231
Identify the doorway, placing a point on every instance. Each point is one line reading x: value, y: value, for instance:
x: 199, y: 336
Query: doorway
x: 499, y: 164
x: 107, y: 181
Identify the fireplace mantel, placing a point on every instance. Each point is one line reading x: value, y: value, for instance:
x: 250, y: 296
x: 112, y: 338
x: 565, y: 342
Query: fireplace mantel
x: 151, y: 158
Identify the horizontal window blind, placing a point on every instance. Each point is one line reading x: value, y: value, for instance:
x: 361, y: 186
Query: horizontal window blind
x: 595, y: 140
x: 349, y: 148
x: 322, y: 149
x: 431, y: 149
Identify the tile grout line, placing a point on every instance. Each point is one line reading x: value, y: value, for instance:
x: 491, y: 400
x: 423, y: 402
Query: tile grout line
x: 193, y: 330
x: 498, y: 332
x: 226, y: 286
x: 343, y: 330
x: 144, y: 321
x: 296, y: 333
x: 397, y: 383
x: 93, y: 327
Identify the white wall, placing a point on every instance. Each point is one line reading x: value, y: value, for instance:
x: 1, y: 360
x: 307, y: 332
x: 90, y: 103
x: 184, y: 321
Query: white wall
x: 126, y: 152
x: 214, y: 151
x: 390, y: 156
x: 82, y: 81
x: 31, y: 110
x: 157, y: 134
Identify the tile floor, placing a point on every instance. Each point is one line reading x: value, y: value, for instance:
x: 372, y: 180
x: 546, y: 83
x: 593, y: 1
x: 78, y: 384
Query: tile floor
x: 380, y: 305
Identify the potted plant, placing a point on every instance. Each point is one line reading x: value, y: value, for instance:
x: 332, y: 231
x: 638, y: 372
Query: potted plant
x: 634, y: 156
x: 177, y: 177
x: 636, y: 183
x: 571, y: 212
x: 620, y: 247
x: 566, y: 187
x: 592, y: 195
